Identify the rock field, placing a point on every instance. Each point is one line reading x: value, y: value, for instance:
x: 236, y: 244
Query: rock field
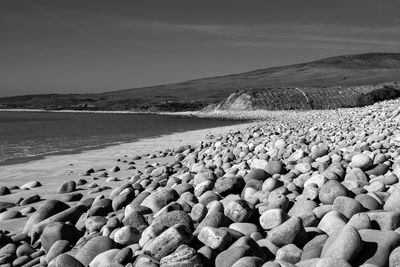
x: 312, y: 188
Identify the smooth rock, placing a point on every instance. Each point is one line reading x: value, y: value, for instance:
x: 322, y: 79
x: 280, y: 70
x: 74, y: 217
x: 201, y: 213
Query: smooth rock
x: 393, y: 201
x: 215, y: 238
x: 361, y: 161
x: 347, y: 206
x: 58, y: 231
x: 289, y: 232
x: 64, y: 260
x: 343, y: 244
x: 332, y: 221
x: 104, y: 258
x: 30, y: 185
x: 168, y: 241
x: 313, y: 248
x: 228, y: 257
x: 9, y: 215
x: 57, y: 248
x: 47, y: 209
x: 289, y: 253
x: 127, y: 235
x: 158, y: 199
x: 272, y: 218
x: 377, y: 246
x: 330, y: 191
x: 67, y: 187
x: 94, y: 247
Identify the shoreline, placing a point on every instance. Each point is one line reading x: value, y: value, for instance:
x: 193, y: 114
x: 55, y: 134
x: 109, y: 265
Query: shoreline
x: 212, y: 115
x: 51, y: 171
x: 8, y: 160
x: 100, y: 156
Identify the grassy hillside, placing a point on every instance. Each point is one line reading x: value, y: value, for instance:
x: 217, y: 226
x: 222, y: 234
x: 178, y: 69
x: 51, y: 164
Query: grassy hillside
x: 344, y: 71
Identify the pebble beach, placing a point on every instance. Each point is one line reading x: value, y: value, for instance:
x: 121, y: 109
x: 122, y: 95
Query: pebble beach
x: 294, y: 188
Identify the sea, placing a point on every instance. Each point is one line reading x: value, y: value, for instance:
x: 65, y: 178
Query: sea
x: 27, y: 136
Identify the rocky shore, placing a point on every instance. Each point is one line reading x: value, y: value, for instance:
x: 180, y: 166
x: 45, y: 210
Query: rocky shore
x: 312, y: 188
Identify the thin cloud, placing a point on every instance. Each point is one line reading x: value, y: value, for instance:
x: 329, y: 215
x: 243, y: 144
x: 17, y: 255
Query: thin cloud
x: 274, y: 35
x: 245, y: 30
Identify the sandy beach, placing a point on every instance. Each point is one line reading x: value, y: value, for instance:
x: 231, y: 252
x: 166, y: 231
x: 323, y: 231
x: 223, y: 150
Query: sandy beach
x: 54, y: 170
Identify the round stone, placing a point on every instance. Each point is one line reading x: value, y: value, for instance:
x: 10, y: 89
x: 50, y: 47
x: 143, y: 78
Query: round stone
x: 361, y: 161
x: 331, y: 190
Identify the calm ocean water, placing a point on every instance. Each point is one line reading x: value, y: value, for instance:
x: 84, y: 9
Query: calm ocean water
x: 26, y: 136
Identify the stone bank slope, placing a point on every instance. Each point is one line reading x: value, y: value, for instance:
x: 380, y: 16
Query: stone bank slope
x: 291, y: 98
x: 306, y: 189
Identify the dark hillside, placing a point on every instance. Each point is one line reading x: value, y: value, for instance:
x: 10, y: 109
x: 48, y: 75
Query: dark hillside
x: 340, y: 71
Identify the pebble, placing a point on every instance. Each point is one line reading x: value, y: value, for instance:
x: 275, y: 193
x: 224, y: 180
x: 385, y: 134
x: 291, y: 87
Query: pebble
x: 94, y: 247
x: 168, y: 241
x: 272, y: 218
x: 58, y: 231
x: 9, y: 214
x: 215, y: 238
x: 127, y: 235
x: 67, y: 260
x: 57, y: 248
x: 158, y: 199
x: 332, y: 221
x: 347, y: 206
x: 244, y: 228
x: 313, y: 248
x: 394, y: 258
x: 95, y: 223
x: 361, y: 161
x: 238, y: 210
x: 307, y: 189
x: 393, y: 201
x: 331, y: 190
x: 105, y: 258
x: 377, y: 246
x: 289, y: 253
x: 47, y: 209
x: 30, y: 199
x: 4, y: 190
x: 68, y: 215
x: 289, y: 232
x: 30, y: 185
x: 67, y: 187
x: 343, y: 244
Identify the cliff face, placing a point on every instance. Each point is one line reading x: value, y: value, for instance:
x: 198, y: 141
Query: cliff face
x: 237, y: 101
x: 309, y: 97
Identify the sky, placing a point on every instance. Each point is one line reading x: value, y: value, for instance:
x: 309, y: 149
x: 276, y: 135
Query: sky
x: 90, y: 46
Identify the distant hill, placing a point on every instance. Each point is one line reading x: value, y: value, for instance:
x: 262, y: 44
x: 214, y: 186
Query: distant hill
x: 343, y: 71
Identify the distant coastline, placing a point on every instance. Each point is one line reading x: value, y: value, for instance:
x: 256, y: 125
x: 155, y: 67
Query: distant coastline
x: 77, y: 111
